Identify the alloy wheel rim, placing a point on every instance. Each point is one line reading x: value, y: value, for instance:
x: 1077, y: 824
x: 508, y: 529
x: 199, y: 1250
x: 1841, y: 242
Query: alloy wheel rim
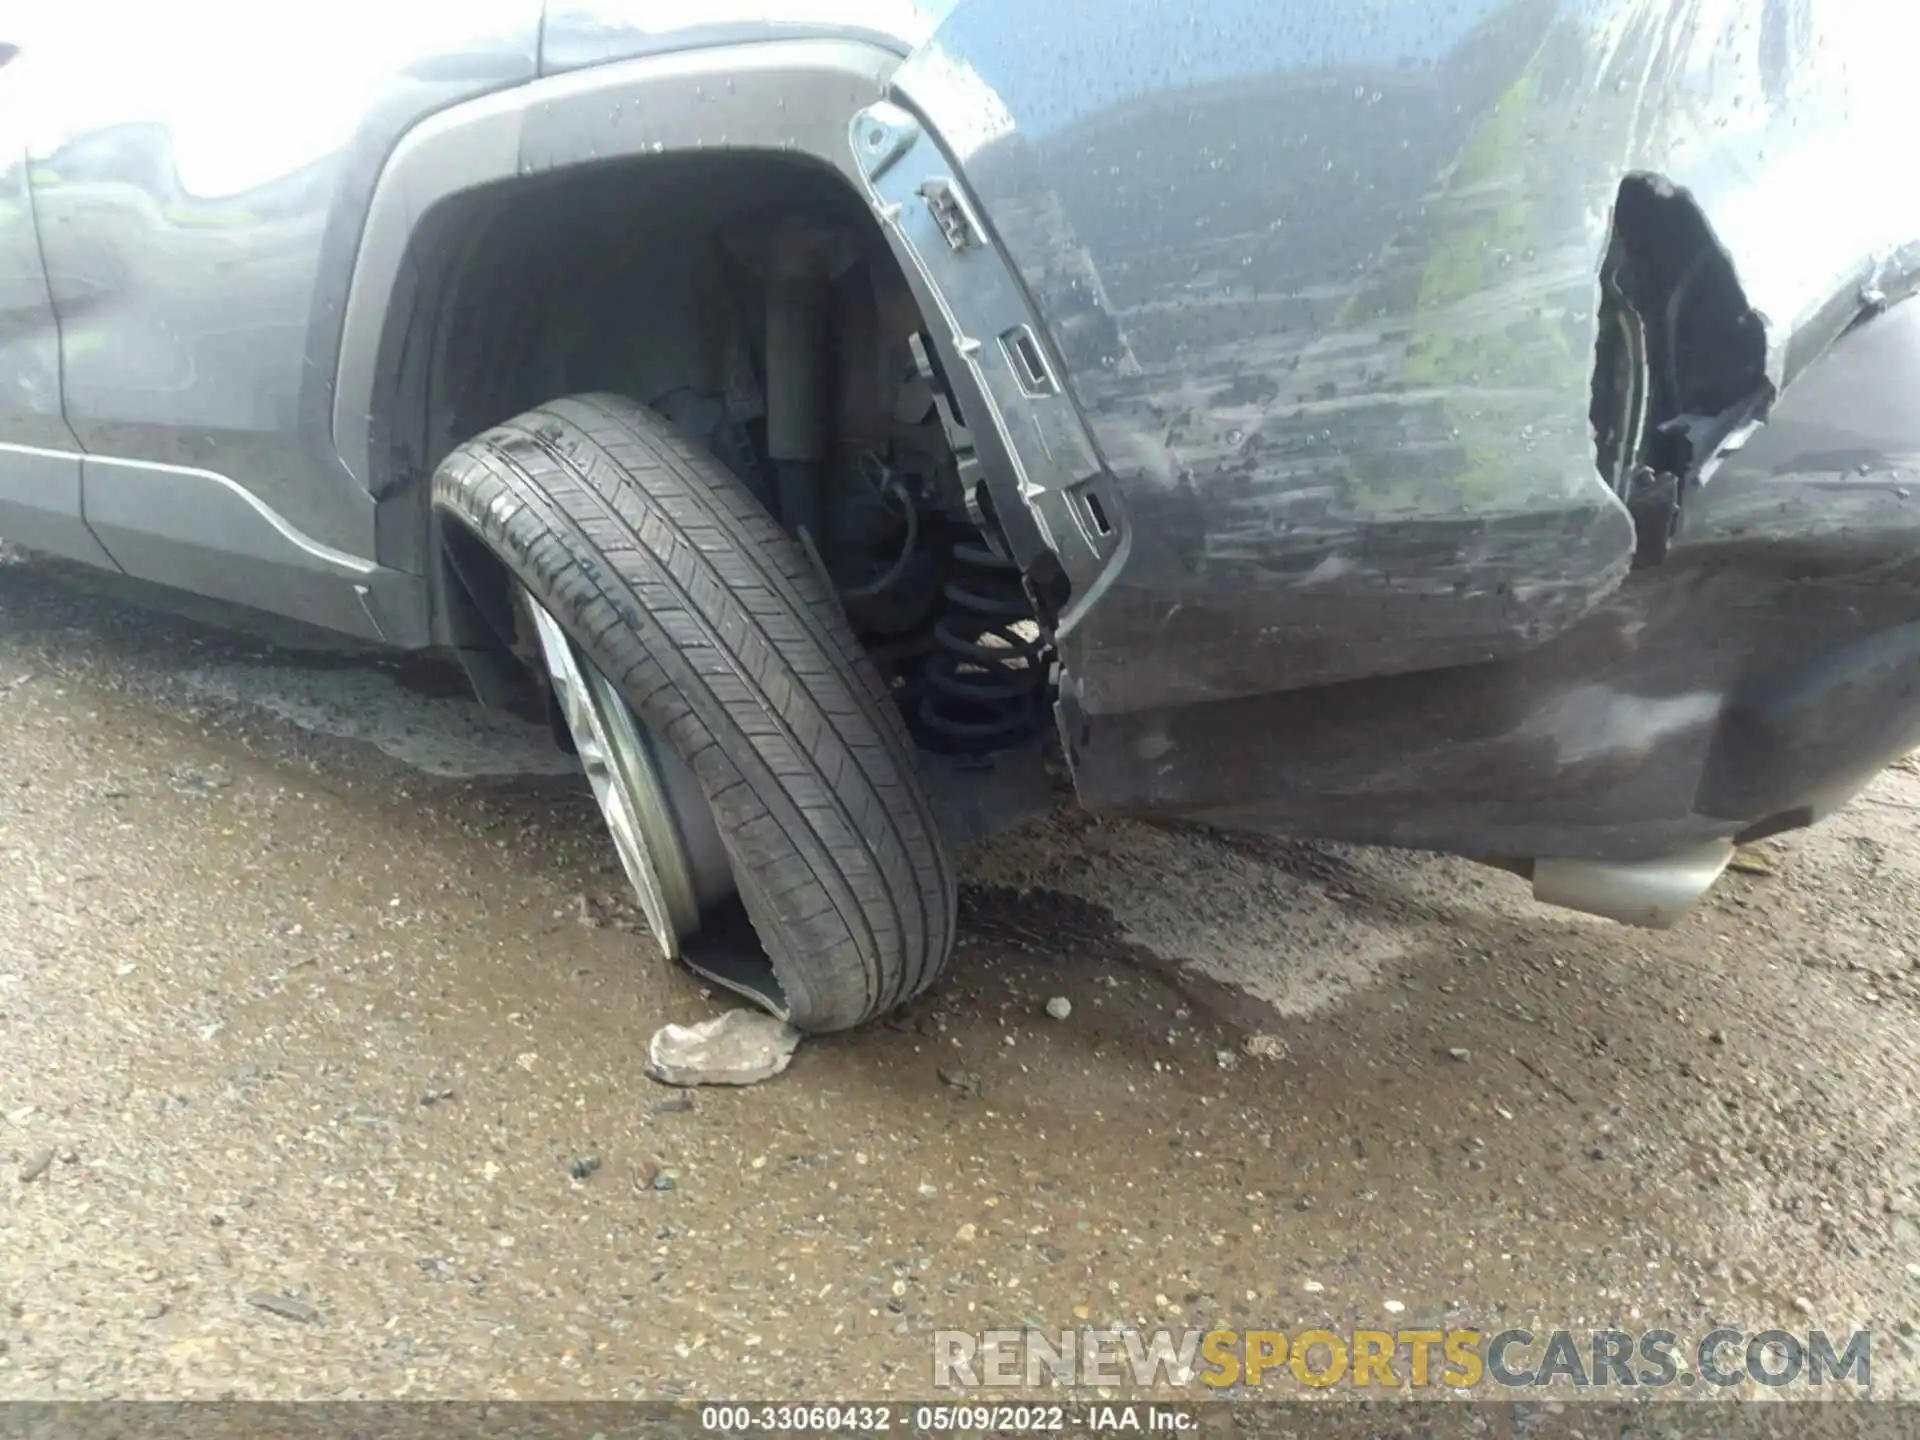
x: 650, y: 800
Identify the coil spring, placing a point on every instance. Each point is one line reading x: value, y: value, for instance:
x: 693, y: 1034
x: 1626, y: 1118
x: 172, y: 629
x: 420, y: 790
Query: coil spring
x: 986, y: 680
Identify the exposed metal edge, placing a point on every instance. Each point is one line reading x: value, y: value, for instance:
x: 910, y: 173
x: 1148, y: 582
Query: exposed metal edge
x: 1653, y: 893
x: 793, y: 96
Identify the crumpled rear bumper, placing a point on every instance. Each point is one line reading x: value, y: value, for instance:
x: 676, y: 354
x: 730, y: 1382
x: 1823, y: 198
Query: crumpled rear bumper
x: 1749, y: 683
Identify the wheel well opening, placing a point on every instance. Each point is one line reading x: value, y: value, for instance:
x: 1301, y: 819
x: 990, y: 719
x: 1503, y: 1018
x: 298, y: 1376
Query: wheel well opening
x: 752, y: 299
x: 1680, y: 358
x: 1678, y: 339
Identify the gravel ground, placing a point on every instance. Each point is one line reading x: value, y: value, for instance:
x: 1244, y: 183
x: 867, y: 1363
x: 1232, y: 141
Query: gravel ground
x: 325, y: 1020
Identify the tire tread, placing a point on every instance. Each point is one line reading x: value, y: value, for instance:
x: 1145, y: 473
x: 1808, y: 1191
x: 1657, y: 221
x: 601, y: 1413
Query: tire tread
x: 714, y: 625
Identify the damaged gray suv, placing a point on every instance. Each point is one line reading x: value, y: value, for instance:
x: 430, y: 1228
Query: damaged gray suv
x: 1484, y: 426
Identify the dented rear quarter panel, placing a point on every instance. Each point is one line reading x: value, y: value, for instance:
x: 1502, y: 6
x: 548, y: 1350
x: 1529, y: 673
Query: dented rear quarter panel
x: 1323, y: 282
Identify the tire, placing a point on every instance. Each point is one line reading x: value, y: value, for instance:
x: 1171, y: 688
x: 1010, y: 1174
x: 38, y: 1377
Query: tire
x: 715, y: 627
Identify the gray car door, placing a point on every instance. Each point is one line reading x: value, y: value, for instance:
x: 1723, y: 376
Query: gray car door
x: 201, y: 173
x: 39, y: 460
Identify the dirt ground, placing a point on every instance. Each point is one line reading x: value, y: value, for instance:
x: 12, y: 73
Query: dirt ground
x: 317, y: 984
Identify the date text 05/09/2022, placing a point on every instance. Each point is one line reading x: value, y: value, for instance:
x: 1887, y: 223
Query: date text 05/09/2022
x: 856, y: 1419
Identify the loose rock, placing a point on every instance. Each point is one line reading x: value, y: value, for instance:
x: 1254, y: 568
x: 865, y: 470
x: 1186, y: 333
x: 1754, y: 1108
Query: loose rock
x: 194, y: 780
x: 35, y: 1165
x: 285, y: 1306
x: 742, y: 1047
x: 1059, y: 1007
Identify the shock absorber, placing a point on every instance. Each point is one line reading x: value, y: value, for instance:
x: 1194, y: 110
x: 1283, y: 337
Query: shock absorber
x: 986, y: 680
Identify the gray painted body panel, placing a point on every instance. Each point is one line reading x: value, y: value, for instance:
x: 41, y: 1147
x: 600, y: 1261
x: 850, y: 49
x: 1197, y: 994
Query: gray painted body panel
x: 1756, y: 679
x: 40, y: 504
x: 204, y: 532
x: 793, y: 96
x: 39, y: 463
x: 582, y: 33
x: 200, y: 183
x: 1323, y: 280
x: 29, y: 340
x: 219, y: 286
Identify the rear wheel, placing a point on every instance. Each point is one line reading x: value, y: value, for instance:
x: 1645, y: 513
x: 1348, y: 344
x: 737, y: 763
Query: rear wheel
x: 718, y: 698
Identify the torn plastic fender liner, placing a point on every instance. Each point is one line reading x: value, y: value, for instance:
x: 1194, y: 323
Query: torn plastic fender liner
x: 1324, y: 286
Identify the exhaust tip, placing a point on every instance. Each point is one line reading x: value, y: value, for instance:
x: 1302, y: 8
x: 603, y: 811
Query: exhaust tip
x: 1651, y: 893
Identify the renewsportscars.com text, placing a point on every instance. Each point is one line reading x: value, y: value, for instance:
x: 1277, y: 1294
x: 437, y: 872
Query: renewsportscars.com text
x: 1457, y: 1359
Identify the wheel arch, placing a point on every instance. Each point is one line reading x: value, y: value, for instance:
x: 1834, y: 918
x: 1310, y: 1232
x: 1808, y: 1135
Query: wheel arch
x: 792, y: 98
